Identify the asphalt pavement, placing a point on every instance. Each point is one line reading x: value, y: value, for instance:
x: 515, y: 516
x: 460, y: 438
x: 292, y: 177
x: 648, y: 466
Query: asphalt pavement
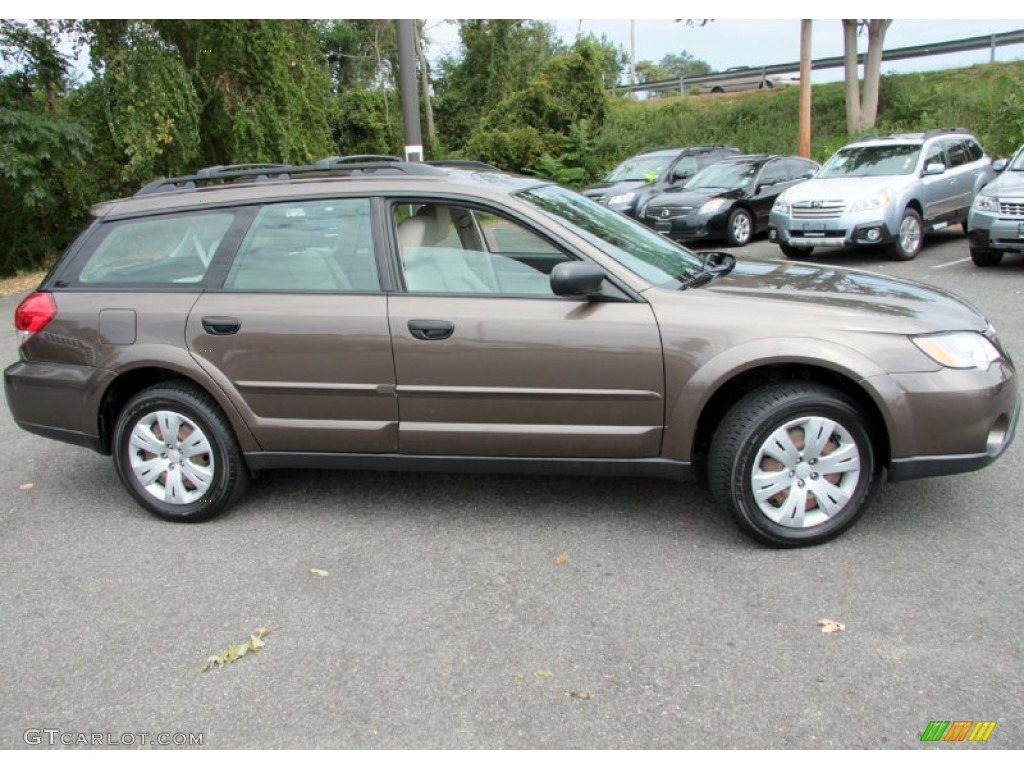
x: 474, y: 611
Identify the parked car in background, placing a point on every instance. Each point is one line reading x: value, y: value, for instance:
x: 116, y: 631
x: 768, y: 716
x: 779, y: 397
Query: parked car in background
x: 748, y: 79
x: 729, y: 200
x: 372, y: 315
x: 635, y: 179
x: 996, y: 223
x: 884, y: 191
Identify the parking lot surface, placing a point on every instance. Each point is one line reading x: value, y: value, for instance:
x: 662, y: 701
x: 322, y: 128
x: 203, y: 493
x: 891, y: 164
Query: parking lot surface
x: 465, y: 611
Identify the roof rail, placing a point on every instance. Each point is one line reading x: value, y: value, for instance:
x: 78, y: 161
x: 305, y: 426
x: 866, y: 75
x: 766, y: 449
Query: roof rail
x: 215, y: 169
x: 941, y: 131
x: 254, y: 172
x: 327, y: 163
x: 470, y: 165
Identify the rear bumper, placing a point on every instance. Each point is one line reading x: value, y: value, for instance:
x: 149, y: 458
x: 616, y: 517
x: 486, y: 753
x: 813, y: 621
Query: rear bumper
x: 58, y: 401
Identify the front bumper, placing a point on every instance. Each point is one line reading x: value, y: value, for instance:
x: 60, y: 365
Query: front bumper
x: 988, y: 232
x: 693, y: 226
x: 950, y: 421
x: 846, y: 230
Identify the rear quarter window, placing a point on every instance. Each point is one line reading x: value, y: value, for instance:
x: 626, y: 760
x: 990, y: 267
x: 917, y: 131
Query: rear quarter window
x: 172, y: 249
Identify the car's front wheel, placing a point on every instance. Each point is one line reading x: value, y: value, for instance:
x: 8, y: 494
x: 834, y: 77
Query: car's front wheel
x: 740, y: 227
x: 984, y: 258
x: 794, y: 462
x: 909, y: 237
x: 177, y: 455
x: 795, y: 251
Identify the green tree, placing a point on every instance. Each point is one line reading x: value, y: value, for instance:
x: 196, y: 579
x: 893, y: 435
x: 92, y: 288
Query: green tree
x: 496, y: 57
x: 42, y: 150
x: 263, y: 86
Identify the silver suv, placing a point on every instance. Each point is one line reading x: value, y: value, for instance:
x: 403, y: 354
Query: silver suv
x: 885, y: 191
x: 996, y: 223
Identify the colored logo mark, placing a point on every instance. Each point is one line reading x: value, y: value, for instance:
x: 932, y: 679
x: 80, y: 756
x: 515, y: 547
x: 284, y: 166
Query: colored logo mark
x: 958, y: 730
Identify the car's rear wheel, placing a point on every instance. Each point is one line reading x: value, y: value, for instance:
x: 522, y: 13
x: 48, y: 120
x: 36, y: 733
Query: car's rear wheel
x: 177, y: 455
x: 740, y: 227
x: 909, y: 237
x: 985, y: 258
x: 795, y: 251
x: 794, y: 462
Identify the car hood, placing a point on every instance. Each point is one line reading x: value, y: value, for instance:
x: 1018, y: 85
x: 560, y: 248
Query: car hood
x: 1007, y: 184
x: 813, y: 298
x: 693, y: 197
x: 607, y: 189
x: 844, y: 189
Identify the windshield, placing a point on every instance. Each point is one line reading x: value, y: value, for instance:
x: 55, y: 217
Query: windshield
x: 888, y: 160
x: 1017, y: 164
x: 727, y: 175
x: 651, y: 256
x: 640, y: 168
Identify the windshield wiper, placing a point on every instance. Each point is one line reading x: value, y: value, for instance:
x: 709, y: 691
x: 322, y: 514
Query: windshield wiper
x: 714, y: 264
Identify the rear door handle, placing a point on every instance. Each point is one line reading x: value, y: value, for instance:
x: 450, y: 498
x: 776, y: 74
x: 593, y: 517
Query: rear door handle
x: 221, y: 326
x: 431, y: 330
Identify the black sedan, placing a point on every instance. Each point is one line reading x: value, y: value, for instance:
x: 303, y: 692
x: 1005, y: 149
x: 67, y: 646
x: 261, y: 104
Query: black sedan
x: 729, y: 200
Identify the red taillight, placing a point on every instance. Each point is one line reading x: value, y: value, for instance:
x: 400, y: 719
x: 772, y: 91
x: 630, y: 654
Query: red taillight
x: 34, y: 313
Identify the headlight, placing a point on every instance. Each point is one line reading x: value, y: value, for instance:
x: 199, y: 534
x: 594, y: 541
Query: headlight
x: 713, y: 205
x: 780, y: 206
x: 963, y: 349
x: 871, y: 202
x: 625, y: 197
x: 986, y: 203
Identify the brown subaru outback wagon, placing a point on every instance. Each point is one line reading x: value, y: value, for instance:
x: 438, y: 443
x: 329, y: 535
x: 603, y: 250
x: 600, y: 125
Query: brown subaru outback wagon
x: 375, y: 314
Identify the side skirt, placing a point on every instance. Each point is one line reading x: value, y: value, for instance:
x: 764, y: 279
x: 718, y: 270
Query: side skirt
x: 675, y: 470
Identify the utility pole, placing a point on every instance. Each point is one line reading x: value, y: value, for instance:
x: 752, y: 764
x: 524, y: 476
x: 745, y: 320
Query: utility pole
x: 804, y: 131
x: 632, y: 52
x: 407, y: 87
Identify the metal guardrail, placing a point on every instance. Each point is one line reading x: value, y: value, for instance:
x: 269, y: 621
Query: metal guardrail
x: 978, y: 43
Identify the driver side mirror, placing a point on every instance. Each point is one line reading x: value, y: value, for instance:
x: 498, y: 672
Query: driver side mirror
x: 577, y: 279
x: 1000, y: 165
x: 934, y: 169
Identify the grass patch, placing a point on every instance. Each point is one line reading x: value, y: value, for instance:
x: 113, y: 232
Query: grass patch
x: 23, y: 281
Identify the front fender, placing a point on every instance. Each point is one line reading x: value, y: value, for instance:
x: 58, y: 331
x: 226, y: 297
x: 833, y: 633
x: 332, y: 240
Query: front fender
x: 694, y: 390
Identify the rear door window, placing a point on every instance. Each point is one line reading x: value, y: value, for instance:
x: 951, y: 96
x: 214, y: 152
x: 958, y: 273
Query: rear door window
x: 309, y: 245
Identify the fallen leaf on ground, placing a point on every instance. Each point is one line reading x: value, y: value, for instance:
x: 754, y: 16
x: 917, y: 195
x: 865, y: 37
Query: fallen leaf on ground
x: 238, y: 650
x: 578, y: 695
x: 831, y: 625
x: 563, y: 557
x: 542, y: 673
x: 318, y: 572
x: 27, y: 486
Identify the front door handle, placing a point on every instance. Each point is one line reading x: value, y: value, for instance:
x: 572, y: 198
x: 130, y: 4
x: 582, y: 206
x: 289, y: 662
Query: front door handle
x: 431, y: 330
x: 221, y: 326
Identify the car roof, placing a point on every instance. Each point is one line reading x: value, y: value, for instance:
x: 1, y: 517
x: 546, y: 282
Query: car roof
x: 912, y: 138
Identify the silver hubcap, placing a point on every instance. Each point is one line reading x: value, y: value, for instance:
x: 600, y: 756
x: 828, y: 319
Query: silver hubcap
x: 741, y: 229
x: 171, y: 457
x: 806, y: 472
x: 910, y: 234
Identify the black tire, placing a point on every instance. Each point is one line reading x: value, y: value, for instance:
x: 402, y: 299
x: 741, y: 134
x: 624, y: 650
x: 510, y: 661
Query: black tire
x: 795, y: 251
x: 200, y: 428
x: 761, y: 422
x: 985, y: 258
x: 717, y: 89
x: 909, y: 237
x: 739, y: 229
